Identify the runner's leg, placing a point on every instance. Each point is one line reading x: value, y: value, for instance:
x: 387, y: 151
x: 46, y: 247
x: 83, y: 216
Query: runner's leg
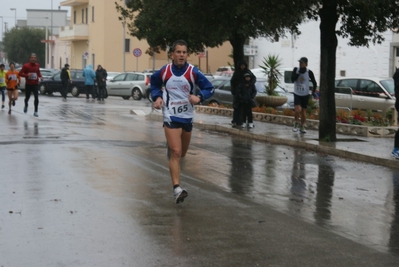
x: 174, y: 139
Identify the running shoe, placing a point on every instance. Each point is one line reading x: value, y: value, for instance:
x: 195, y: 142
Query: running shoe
x: 35, y: 114
x: 303, y: 130
x: 395, y: 153
x: 251, y: 125
x: 9, y: 111
x: 26, y: 108
x: 296, y: 127
x: 244, y: 125
x: 13, y: 102
x: 2, y: 106
x: 179, y: 194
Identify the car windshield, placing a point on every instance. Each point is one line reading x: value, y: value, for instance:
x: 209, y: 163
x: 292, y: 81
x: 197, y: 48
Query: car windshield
x: 389, y: 85
x: 217, y: 83
x: 46, y: 73
x: 112, y: 74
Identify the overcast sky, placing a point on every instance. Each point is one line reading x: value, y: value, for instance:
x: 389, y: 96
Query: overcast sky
x: 21, y: 6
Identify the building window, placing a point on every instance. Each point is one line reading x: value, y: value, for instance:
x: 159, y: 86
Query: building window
x: 87, y: 15
x: 74, y: 17
x: 127, y: 45
x: 92, y: 13
x: 83, y: 16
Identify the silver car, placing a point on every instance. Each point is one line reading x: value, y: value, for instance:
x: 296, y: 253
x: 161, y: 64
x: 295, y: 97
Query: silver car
x: 129, y: 84
x: 365, y: 93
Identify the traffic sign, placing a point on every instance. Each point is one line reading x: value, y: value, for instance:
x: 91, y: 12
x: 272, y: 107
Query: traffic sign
x: 137, y: 52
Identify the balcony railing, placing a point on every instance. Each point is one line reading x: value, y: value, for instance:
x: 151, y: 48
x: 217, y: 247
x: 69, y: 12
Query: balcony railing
x: 74, y: 2
x: 75, y: 32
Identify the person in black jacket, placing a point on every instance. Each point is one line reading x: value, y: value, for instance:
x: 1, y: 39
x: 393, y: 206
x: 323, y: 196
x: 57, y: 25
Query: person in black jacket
x: 395, y: 151
x: 236, y: 80
x: 246, y: 96
x: 101, y: 78
x: 66, y: 80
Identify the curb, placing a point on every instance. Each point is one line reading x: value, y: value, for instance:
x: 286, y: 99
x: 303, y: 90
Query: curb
x: 312, y: 145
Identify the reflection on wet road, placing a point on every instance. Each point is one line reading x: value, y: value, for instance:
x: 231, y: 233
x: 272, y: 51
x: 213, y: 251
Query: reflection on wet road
x: 356, y: 200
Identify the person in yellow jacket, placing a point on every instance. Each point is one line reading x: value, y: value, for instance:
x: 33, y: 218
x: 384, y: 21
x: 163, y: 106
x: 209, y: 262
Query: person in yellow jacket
x: 2, y: 84
x: 12, y: 80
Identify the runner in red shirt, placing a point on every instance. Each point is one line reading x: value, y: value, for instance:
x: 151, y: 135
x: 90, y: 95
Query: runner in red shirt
x: 31, y: 72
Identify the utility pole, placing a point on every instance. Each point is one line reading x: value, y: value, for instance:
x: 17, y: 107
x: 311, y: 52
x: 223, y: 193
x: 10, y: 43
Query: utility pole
x: 51, y: 36
x: 124, y: 40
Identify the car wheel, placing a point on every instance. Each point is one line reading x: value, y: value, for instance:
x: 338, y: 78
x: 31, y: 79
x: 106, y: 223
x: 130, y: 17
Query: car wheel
x: 75, y: 91
x: 126, y: 97
x: 136, y: 94
x: 42, y: 89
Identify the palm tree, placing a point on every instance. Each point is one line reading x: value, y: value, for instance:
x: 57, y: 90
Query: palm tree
x: 271, y: 66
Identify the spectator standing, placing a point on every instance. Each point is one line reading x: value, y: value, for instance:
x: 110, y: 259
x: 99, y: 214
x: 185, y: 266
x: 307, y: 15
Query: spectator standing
x: 31, y: 72
x: 66, y: 81
x: 301, y: 77
x: 12, y: 80
x: 247, y: 93
x: 90, y: 76
x: 395, y: 151
x: 236, y: 80
x: 2, y: 84
x: 101, y: 78
x: 177, y: 100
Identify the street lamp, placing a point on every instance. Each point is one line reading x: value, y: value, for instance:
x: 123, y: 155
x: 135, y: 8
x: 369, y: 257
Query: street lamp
x: 1, y: 26
x: 15, y: 10
x: 46, y: 44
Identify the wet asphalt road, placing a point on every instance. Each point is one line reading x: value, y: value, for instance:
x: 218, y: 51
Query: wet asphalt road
x: 87, y: 184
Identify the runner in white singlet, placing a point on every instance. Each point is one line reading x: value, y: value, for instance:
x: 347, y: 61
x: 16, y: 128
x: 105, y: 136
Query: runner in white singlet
x: 173, y: 88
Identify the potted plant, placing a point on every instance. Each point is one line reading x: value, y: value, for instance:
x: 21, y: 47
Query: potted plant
x: 271, y: 67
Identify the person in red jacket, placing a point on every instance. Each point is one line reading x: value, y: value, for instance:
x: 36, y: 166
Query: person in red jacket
x: 31, y: 72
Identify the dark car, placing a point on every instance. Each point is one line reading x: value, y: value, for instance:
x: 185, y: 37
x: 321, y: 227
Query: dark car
x: 54, y: 84
x: 223, y: 94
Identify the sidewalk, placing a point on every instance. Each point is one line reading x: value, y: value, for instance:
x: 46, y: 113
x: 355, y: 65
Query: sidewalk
x: 366, y: 149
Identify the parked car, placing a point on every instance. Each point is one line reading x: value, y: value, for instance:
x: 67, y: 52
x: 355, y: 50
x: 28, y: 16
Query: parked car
x: 209, y: 76
x: 129, y: 84
x: 54, y: 84
x: 223, y: 69
x: 365, y: 93
x: 223, y: 94
x: 111, y: 75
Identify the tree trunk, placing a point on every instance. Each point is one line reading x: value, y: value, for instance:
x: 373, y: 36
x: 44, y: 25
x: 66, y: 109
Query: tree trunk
x: 328, y: 48
x: 237, y: 42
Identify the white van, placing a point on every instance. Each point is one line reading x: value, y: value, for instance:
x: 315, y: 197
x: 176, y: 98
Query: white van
x: 285, y: 79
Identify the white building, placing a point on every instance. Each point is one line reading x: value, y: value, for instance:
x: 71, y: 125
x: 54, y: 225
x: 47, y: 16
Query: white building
x: 376, y: 60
